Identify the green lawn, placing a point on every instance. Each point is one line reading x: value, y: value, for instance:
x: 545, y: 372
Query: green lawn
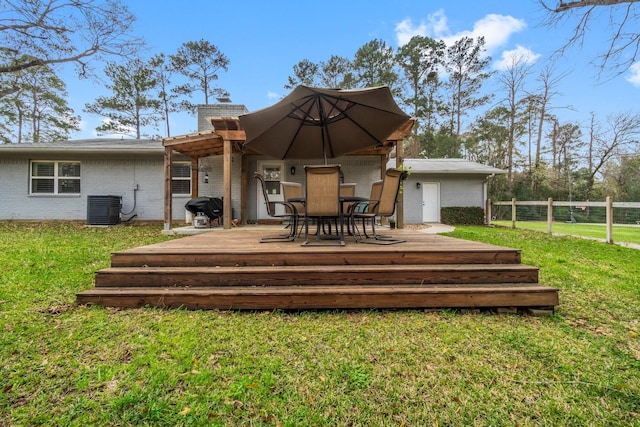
x: 621, y: 233
x: 62, y: 364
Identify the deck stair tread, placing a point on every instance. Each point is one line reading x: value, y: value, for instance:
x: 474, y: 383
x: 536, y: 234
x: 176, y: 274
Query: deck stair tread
x: 315, y: 275
x: 328, y: 297
x: 325, y: 269
x: 343, y: 289
x: 309, y: 258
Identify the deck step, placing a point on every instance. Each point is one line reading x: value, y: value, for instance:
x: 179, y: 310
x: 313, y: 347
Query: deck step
x: 369, y: 275
x: 313, y: 257
x: 327, y: 297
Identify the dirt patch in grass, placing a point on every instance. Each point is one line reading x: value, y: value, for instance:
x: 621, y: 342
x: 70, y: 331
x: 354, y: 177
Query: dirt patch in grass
x: 416, y: 226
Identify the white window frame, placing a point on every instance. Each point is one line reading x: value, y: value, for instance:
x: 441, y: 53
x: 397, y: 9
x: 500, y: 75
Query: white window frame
x: 181, y: 178
x: 56, y: 178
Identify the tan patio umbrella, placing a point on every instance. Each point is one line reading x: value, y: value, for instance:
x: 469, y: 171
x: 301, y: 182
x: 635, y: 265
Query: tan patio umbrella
x: 314, y: 123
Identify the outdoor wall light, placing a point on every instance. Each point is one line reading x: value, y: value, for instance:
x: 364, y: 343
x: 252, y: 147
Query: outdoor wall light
x: 292, y: 170
x: 418, y: 185
x: 206, y: 178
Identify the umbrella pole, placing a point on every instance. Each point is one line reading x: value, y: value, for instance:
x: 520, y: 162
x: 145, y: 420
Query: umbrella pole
x: 324, y: 147
x: 323, y: 129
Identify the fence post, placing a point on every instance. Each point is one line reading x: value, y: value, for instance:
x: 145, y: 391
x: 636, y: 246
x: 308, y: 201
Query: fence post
x: 609, y: 217
x: 549, y: 214
x: 488, y: 212
x: 513, y: 213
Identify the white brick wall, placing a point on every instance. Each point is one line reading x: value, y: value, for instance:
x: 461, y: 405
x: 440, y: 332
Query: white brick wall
x: 217, y: 110
x: 100, y: 175
x: 215, y: 188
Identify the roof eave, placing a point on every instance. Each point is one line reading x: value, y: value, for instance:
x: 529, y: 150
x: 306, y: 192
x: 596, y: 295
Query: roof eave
x: 92, y: 150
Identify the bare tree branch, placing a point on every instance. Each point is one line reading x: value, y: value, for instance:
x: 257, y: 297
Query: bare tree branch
x: 49, y: 32
x: 561, y: 7
x: 624, y: 19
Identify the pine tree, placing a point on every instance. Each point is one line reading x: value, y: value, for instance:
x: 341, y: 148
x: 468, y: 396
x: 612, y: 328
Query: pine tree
x: 38, y: 110
x: 200, y: 62
x: 133, y: 104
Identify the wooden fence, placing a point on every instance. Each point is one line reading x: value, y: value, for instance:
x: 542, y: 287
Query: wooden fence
x: 609, y: 206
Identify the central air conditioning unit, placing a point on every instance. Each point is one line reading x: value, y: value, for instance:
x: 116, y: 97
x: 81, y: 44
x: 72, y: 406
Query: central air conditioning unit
x: 103, y: 210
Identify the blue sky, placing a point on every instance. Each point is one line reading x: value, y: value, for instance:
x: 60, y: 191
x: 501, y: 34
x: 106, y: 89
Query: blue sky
x: 265, y: 39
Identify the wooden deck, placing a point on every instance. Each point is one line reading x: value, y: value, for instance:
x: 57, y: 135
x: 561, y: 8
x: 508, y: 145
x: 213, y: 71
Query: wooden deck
x: 230, y: 269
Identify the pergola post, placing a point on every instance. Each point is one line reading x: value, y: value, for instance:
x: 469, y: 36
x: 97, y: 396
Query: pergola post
x: 383, y: 165
x: 399, y: 163
x: 244, y: 188
x: 195, y: 177
x: 226, y: 207
x: 168, y: 215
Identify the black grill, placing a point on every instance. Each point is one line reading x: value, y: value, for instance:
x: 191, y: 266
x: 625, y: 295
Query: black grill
x: 210, y: 206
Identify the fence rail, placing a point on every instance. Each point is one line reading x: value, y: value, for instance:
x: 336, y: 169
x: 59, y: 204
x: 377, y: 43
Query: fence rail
x: 630, y: 215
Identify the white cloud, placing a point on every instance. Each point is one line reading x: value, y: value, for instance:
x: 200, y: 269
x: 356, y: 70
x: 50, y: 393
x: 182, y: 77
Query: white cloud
x: 519, y: 54
x: 405, y: 31
x: 634, y: 78
x: 436, y: 25
x: 120, y: 131
x: 272, y: 95
x: 496, y: 29
x: 88, y: 128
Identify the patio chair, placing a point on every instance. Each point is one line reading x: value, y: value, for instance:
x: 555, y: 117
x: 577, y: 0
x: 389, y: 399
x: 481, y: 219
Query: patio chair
x: 382, y: 206
x: 294, y: 191
x: 367, y: 206
x: 322, y: 200
x: 347, y: 190
x: 290, y: 212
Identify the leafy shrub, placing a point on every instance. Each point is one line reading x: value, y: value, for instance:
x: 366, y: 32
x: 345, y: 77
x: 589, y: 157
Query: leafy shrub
x: 462, y: 215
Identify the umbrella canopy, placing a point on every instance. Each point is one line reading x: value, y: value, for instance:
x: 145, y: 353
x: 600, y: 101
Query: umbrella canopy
x: 314, y: 123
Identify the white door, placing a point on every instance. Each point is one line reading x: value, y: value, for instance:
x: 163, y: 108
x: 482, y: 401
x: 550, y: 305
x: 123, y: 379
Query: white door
x: 430, y: 202
x: 273, y: 173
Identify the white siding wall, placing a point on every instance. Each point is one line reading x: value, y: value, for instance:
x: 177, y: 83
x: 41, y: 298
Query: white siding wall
x: 455, y: 190
x: 462, y: 191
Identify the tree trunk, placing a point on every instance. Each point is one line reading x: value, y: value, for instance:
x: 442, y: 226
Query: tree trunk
x: 166, y: 118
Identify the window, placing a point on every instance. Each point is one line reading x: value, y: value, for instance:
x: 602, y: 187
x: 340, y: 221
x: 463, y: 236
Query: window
x: 181, y: 178
x: 55, y: 177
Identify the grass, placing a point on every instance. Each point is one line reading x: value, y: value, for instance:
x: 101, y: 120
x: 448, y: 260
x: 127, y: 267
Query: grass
x: 63, y: 364
x: 621, y: 233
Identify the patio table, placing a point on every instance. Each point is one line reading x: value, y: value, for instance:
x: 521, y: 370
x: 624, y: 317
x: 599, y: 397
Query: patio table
x: 344, y: 200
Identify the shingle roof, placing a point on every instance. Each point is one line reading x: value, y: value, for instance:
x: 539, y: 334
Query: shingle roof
x: 98, y: 145
x: 450, y: 166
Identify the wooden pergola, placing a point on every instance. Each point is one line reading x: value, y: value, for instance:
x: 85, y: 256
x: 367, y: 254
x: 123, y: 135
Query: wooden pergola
x: 227, y: 138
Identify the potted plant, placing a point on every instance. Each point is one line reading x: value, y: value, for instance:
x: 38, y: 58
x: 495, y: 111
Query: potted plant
x: 392, y: 223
